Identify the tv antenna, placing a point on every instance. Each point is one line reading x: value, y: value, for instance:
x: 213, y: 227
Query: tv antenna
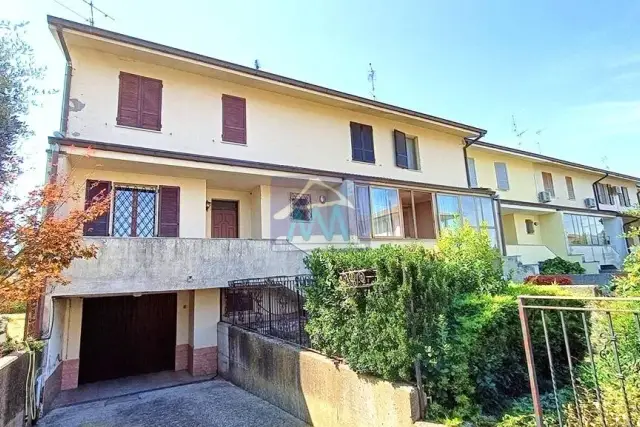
x: 90, y: 20
x: 372, y: 79
x: 92, y: 7
x: 256, y: 64
x: 605, y: 162
x: 516, y: 131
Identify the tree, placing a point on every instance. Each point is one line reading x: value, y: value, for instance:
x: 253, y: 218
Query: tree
x: 37, y: 241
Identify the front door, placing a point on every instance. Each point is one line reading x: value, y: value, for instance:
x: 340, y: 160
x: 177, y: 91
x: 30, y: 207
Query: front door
x: 224, y: 219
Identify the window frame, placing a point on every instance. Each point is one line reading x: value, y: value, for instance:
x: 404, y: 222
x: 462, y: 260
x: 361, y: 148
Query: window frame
x: 156, y: 216
x: 140, y: 107
x: 571, y: 191
x: 506, y: 176
x: 530, y: 226
x: 362, y: 126
x: 552, y: 189
x: 297, y: 196
x: 473, y: 176
x: 478, y: 204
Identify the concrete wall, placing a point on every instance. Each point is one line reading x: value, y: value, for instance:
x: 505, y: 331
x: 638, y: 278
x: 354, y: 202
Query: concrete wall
x: 312, y: 387
x: 173, y: 264
x: 280, y: 129
x: 13, y: 379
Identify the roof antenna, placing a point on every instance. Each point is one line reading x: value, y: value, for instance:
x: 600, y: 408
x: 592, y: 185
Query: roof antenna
x: 372, y: 79
x: 73, y: 11
x: 605, y: 162
x: 92, y: 7
x: 256, y: 64
x: 516, y: 131
x: 538, y: 132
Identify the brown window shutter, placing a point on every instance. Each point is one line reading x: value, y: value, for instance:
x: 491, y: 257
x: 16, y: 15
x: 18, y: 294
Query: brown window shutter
x: 96, y: 191
x: 611, y: 194
x: 570, y: 190
x: 626, y: 201
x: 547, y: 180
x: 601, y: 194
x: 169, y: 212
x: 402, y: 158
x: 128, y: 100
x: 151, y: 105
x: 234, y: 119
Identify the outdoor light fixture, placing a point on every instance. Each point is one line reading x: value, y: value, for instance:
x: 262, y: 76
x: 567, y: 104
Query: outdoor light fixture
x: 323, y: 199
x: 208, y: 205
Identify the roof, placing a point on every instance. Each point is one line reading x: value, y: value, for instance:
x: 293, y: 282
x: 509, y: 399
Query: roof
x: 555, y: 160
x: 60, y: 23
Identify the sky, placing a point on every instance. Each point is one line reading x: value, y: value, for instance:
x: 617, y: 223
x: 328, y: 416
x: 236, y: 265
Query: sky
x: 567, y: 71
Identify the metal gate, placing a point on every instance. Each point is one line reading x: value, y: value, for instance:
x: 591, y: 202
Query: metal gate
x: 583, y: 357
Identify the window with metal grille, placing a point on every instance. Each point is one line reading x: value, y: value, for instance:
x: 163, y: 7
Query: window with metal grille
x: 134, y: 211
x: 300, y: 207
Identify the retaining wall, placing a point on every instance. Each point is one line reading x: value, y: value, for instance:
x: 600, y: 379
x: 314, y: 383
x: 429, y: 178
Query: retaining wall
x: 13, y: 380
x: 312, y: 387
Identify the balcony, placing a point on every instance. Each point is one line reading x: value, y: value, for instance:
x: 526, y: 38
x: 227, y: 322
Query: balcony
x: 136, y: 265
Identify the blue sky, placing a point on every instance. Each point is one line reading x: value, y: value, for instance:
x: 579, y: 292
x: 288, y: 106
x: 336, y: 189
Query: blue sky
x: 568, y: 68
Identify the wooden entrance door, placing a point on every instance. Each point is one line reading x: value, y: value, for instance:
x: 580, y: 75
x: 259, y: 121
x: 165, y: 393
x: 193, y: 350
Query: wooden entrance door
x: 224, y: 219
x: 127, y: 335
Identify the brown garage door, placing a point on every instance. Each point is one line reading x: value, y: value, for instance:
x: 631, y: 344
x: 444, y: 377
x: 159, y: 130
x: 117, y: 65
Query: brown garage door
x: 127, y: 335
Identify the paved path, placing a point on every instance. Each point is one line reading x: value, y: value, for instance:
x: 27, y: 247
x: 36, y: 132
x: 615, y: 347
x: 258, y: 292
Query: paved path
x: 214, y: 403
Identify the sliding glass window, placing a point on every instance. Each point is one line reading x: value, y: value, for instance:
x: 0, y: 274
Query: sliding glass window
x: 478, y: 211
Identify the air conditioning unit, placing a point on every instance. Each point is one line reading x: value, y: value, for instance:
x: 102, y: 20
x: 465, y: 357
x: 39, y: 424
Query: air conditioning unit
x: 544, y: 197
x: 590, y: 202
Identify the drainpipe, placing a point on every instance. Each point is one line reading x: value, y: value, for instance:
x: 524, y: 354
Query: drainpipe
x: 467, y: 143
x: 595, y: 191
x: 503, y: 244
x: 64, y: 118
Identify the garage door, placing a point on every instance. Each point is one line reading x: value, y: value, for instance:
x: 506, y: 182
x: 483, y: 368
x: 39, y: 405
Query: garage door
x: 127, y: 335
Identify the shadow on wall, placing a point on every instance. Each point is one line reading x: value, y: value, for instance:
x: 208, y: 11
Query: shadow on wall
x: 312, y: 387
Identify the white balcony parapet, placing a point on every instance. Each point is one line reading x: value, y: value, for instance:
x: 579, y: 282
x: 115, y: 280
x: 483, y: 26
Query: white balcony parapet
x: 137, y: 265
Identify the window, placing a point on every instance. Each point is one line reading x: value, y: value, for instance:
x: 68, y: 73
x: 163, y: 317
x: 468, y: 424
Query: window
x: 502, y: 177
x: 530, y: 226
x: 363, y: 211
x: 234, y: 119
x: 406, y: 150
x: 138, y: 211
x: 547, y: 182
x: 139, y: 102
x: 417, y: 214
x: 300, y: 207
x: 473, y: 177
x: 478, y: 211
x: 570, y: 191
x: 134, y: 212
x: 385, y: 212
x: 611, y: 192
x: 624, y: 197
x: 362, y: 143
x: 601, y: 194
x: 583, y: 230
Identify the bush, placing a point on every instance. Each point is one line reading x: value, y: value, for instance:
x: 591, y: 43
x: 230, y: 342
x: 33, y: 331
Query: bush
x: 483, y: 366
x: 13, y: 307
x: 558, y: 265
x: 548, y: 280
x: 448, y: 308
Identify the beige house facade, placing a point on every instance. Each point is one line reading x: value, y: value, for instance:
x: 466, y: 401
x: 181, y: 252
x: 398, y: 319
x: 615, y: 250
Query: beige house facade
x: 218, y: 172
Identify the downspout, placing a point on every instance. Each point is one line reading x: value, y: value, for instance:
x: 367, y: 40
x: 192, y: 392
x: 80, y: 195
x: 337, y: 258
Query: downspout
x: 467, y: 143
x: 595, y: 191
x: 64, y: 118
x: 503, y: 243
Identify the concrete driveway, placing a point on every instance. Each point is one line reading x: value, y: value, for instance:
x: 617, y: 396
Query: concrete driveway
x: 211, y: 403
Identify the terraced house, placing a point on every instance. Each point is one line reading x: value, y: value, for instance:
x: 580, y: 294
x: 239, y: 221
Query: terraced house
x: 551, y: 207
x: 219, y: 172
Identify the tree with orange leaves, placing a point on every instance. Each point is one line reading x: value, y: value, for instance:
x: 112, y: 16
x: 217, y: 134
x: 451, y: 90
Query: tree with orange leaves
x: 37, y: 240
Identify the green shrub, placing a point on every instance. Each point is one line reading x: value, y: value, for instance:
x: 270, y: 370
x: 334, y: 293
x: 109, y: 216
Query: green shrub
x: 448, y: 308
x: 471, y: 260
x: 558, y: 265
x: 13, y: 307
x: 483, y: 359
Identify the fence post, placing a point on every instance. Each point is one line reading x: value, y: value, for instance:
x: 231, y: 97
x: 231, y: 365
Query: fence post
x: 299, y: 312
x: 528, y: 350
x: 269, y: 296
x: 417, y: 364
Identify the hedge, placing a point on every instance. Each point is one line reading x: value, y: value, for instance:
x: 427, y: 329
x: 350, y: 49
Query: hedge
x: 468, y: 340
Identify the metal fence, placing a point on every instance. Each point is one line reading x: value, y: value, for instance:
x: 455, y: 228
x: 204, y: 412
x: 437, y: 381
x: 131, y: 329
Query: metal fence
x: 272, y: 306
x: 607, y: 331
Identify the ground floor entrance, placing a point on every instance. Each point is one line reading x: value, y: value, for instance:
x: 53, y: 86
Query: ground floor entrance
x: 127, y: 335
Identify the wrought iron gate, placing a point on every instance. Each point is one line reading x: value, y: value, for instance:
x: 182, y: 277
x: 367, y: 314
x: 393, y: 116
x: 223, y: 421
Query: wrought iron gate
x: 272, y: 306
x: 567, y: 383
